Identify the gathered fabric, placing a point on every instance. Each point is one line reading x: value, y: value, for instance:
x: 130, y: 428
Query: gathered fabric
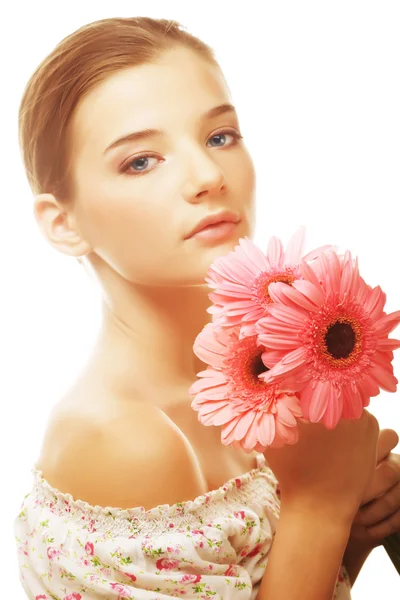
x: 215, y: 546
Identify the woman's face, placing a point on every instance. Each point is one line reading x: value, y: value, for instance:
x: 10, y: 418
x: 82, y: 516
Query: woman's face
x: 137, y: 201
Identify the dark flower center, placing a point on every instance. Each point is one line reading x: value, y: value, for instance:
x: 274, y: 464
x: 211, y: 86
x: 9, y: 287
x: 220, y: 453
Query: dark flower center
x: 245, y: 365
x: 340, y: 339
x: 257, y: 366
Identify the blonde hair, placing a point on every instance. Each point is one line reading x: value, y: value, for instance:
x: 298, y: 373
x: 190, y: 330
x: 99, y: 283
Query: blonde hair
x: 79, y: 62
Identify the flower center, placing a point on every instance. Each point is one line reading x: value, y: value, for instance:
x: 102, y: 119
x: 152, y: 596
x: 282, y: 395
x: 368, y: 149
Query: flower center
x: 283, y: 277
x: 342, y: 342
x: 340, y: 339
x: 252, y: 366
x: 256, y: 367
x: 245, y: 364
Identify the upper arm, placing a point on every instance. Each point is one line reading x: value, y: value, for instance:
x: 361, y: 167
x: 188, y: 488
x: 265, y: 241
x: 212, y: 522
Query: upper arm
x: 140, y: 459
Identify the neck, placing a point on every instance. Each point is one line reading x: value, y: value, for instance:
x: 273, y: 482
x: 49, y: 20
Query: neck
x: 146, y: 339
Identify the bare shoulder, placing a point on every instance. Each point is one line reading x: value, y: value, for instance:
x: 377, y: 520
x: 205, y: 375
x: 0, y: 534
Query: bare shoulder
x: 136, y: 457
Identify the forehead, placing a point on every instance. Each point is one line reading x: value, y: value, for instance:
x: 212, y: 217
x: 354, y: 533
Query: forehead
x: 178, y: 86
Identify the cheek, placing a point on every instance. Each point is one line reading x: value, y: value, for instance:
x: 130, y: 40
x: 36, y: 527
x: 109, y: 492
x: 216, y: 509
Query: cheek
x: 245, y: 184
x: 241, y: 177
x: 120, y: 222
x: 248, y: 179
x: 134, y: 239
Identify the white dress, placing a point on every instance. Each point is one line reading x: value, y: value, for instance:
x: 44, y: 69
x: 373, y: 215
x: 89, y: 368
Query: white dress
x: 215, y: 546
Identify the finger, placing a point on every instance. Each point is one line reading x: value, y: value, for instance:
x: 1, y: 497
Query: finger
x: 386, y: 475
x: 385, y: 528
x: 379, y: 509
x: 387, y: 440
x: 363, y: 536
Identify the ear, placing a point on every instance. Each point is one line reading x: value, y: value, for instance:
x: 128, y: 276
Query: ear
x: 57, y: 226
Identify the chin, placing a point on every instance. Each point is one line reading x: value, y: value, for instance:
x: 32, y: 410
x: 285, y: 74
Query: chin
x: 205, y: 253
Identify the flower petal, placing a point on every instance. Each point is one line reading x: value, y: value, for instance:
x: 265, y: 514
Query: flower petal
x: 275, y: 253
x: 314, y: 254
x: 305, y: 400
x: 386, y: 380
x: 250, y: 440
x: 243, y: 424
x: 293, y: 403
x: 223, y: 415
x: 285, y: 416
x: 355, y: 277
x: 207, y: 356
x: 254, y: 254
x: 334, y: 408
x: 239, y: 308
x: 290, y: 293
x: 387, y: 323
x: 389, y: 345
x: 224, y: 292
x: 352, y: 403
x: 319, y: 400
x: 215, y: 394
x: 375, y: 303
x: 266, y: 430
x: 365, y: 398
x: 294, y: 249
x: 296, y: 358
x: 286, y: 314
x: 209, y: 407
x: 228, y: 430
x: 205, y: 383
x: 308, y: 273
x: 347, y: 271
x: 271, y: 358
x: 233, y: 270
x: 368, y: 386
x: 309, y: 290
x: 278, y: 341
x: 292, y: 435
x: 333, y: 272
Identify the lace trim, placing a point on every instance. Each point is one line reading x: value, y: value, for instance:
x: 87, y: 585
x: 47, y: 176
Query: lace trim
x: 258, y: 485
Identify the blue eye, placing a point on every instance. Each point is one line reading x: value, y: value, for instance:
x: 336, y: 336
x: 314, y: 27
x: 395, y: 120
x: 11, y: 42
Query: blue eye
x: 139, y: 165
x: 140, y: 160
x: 221, y: 136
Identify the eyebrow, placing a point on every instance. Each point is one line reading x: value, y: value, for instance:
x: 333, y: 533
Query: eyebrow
x: 146, y: 133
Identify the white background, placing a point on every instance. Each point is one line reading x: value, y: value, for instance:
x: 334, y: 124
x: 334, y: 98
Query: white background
x: 316, y: 86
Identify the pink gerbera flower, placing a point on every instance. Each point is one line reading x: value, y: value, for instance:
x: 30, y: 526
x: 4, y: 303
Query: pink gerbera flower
x: 329, y: 333
x: 242, y: 277
x: 253, y: 414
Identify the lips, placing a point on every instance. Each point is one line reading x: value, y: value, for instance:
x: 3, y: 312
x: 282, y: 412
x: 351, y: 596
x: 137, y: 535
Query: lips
x: 221, y: 217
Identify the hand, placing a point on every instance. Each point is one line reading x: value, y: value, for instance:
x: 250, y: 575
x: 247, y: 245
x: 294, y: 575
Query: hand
x: 379, y: 512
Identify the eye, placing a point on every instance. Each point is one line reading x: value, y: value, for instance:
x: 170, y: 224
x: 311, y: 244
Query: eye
x: 139, y: 164
x: 221, y: 137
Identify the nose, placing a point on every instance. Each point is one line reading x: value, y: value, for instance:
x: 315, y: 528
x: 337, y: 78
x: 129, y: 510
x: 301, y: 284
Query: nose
x: 204, y: 177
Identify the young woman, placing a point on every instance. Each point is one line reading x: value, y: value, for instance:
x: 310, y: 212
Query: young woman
x: 134, y: 153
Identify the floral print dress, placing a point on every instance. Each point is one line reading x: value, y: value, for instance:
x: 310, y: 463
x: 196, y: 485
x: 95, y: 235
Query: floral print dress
x: 215, y: 546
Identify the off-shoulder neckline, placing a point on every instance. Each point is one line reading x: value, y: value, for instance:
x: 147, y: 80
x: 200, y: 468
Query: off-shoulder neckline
x: 235, y: 485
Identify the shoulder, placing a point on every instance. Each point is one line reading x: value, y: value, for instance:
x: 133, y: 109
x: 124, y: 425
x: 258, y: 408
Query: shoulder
x: 135, y: 457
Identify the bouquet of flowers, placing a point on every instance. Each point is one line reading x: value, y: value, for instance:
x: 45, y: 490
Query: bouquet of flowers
x: 292, y: 337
